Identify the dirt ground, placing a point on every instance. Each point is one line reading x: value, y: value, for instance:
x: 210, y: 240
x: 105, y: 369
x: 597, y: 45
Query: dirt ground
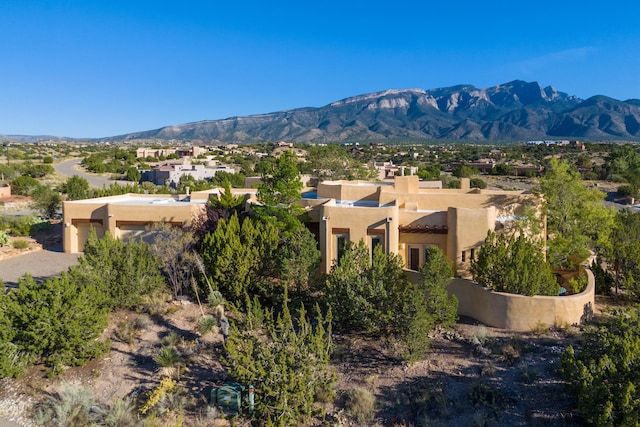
x: 472, y: 375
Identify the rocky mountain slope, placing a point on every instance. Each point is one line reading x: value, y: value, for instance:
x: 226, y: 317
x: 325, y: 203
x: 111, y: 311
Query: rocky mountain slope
x: 513, y: 111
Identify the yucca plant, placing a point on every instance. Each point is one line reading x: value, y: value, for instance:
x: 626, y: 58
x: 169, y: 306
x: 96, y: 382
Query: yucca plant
x: 206, y: 324
x: 168, y: 358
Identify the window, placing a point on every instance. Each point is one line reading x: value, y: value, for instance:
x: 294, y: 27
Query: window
x: 340, y: 239
x: 376, y: 238
x: 472, y: 255
x: 414, y: 259
x: 417, y: 255
x: 464, y: 256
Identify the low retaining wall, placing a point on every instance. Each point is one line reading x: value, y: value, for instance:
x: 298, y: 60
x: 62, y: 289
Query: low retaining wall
x: 519, y: 312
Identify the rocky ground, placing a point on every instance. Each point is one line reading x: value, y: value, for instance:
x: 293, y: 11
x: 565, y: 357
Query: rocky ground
x: 472, y: 375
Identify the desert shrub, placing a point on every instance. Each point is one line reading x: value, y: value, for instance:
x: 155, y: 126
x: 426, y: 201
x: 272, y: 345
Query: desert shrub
x: 425, y: 400
x: 206, y: 324
x: 287, y: 364
x: 477, y: 183
x: 24, y: 185
x: 627, y: 190
x: 374, y: 296
x: 172, y: 339
x: 604, y: 279
x: 166, y: 386
x: 578, y: 284
x: 168, y: 358
x: 56, y: 321
x: 528, y: 374
x: 487, y: 397
x: 126, y: 332
x: 360, y: 404
x: 510, y: 353
x: 122, y: 413
x: 141, y: 322
x: 124, y: 273
x: 17, y: 225
x: 603, y: 375
x: 71, y: 406
x: 20, y: 244
x: 4, y: 238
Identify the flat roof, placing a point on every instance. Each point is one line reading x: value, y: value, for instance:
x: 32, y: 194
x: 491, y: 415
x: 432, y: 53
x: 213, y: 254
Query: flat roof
x: 139, y: 200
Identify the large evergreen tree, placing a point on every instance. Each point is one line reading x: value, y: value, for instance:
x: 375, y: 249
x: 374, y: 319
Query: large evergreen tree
x: 239, y: 258
x: 281, y: 184
x: 576, y: 218
x: 626, y: 251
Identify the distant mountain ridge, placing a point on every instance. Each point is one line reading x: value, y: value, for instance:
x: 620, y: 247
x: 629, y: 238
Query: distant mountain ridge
x: 513, y: 111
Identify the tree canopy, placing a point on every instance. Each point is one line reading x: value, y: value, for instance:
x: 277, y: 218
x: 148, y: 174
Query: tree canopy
x: 576, y: 218
x: 515, y: 265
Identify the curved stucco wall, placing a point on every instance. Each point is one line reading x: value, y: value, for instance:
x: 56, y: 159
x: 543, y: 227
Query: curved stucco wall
x: 519, y: 312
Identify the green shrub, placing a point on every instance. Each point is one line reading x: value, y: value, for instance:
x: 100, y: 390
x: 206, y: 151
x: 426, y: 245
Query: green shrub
x: 20, y: 244
x: 603, y: 375
x: 56, y: 321
x: 123, y: 273
x: 477, y: 183
x: 13, y: 362
x: 487, y: 397
x: 287, y: 364
x: 4, y: 238
x: 168, y: 358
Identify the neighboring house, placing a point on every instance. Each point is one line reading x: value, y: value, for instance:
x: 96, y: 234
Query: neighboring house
x: 170, y: 174
x: 154, y: 152
x: 401, y: 216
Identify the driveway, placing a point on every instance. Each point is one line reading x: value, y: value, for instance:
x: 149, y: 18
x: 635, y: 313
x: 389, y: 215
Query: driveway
x: 72, y: 167
x: 41, y: 264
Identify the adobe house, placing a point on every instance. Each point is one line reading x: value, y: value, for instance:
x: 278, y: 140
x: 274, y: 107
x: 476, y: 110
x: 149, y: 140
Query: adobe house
x: 404, y: 216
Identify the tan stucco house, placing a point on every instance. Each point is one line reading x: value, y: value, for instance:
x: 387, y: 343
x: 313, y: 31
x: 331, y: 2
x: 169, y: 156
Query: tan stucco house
x: 404, y: 216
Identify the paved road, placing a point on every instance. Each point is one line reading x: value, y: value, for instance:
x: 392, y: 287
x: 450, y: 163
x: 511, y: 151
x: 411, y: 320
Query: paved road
x: 40, y: 264
x: 72, y: 167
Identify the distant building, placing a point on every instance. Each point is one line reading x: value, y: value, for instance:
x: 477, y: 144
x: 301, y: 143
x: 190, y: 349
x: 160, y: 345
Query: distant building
x: 5, y: 190
x: 170, y: 174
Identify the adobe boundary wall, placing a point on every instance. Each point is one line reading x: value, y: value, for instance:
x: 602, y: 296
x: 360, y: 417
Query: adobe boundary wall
x: 519, y: 312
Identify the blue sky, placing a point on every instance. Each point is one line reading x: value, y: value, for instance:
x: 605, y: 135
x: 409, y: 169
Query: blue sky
x: 93, y: 68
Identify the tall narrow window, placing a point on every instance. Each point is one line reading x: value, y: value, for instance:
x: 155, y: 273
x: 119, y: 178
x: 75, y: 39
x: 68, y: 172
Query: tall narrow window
x: 341, y: 243
x: 340, y: 239
x: 376, y: 238
x: 464, y: 256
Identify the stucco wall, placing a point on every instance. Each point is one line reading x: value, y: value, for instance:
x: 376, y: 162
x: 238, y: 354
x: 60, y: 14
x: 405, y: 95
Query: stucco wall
x: 5, y: 191
x: 518, y: 312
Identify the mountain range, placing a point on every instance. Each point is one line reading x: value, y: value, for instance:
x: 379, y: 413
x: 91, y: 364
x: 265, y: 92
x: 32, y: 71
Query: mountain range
x: 514, y: 111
